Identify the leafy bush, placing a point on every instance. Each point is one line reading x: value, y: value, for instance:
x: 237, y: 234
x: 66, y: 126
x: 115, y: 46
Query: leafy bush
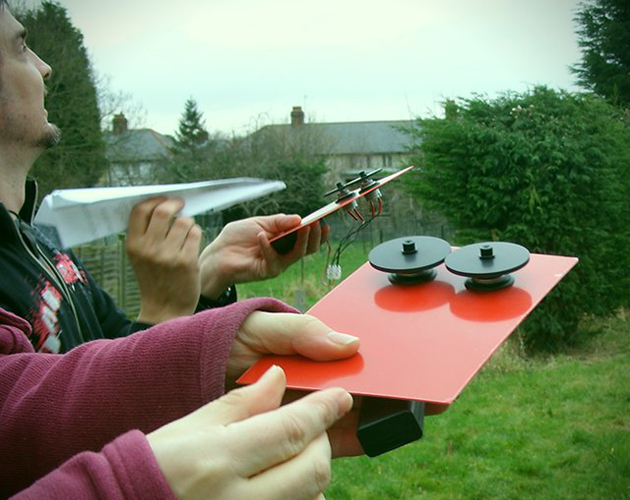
x: 546, y: 169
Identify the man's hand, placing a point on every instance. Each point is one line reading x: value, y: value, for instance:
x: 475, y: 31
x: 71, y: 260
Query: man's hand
x: 163, y: 250
x: 245, y: 445
x: 285, y: 334
x: 242, y: 252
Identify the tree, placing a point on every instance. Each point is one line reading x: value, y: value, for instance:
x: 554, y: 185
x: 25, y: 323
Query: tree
x: 270, y: 152
x: 604, y: 36
x: 191, y: 132
x: 190, y: 153
x: 293, y: 155
x: 79, y: 159
x: 113, y: 102
x: 305, y: 185
x: 545, y: 169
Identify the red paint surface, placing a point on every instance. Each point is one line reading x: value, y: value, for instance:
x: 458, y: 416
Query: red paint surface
x: 422, y: 342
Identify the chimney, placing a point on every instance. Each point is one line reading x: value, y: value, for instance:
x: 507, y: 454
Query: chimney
x: 119, y: 124
x: 297, y: 116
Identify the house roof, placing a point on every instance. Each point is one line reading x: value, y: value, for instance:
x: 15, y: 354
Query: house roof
x: 371, y: 137
x: 138, y: 145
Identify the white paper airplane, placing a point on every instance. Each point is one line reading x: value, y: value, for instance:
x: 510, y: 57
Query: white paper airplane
x: 82, y: 215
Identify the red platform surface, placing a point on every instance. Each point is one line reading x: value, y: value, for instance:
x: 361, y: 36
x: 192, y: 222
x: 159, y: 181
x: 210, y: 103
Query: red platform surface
x: 422, y: 342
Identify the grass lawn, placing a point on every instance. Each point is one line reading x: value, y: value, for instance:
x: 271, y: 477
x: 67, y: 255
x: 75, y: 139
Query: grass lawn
x: 525, y: 428
x: 556, y: 428
x: 304, y: 283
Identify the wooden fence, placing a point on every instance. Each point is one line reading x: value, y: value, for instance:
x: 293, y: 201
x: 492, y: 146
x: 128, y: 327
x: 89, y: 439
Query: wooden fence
x: 109, y: 265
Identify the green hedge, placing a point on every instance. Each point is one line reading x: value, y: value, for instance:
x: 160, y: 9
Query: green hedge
x: 549, y: 170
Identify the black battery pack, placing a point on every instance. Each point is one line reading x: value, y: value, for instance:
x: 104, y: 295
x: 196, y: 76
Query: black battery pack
x: 387, y: 424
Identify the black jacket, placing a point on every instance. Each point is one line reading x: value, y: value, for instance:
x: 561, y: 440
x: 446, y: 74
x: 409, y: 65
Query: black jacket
x: 53, y: 291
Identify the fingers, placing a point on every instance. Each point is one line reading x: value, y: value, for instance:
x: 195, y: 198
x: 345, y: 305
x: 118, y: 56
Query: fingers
x: 314, y: 238
x: 286, y: 333
x: 345, y: 443
x: 282, y: 262
x: 267, y: 251
x: 303, y: 478
x: 325, y: 231
x: 273, y: 438
x: 343, y: 434
x: 310, y: 238
x: 162, y: 216
x: 154, y: 215
x: 244, y: 446
x: 301, y: 244
x: 153, y: 224
x: 192, y: 242
x: 274, y: 224
x: 141, y: 214
x: 265, y: 395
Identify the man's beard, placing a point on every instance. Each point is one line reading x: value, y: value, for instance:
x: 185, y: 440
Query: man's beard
x: 12, y: 131
x: 51, y: 138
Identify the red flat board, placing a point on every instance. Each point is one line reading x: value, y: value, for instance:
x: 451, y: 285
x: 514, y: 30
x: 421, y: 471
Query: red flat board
x: 336, y: 205
x: 421, y: 342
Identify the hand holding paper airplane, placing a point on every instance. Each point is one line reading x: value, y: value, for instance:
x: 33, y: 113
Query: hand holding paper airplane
x: 163, y: 249
x: 83, y: 215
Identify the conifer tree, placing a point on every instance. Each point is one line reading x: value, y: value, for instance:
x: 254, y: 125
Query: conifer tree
x: 605, y: 41
x: 191, y: 132
x: 190, y: 152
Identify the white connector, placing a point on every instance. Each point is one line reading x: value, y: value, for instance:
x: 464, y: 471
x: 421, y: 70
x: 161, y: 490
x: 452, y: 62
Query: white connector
x: 333, y: 272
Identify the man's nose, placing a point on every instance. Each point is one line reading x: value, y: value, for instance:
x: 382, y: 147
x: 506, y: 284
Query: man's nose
x: 44, y: 69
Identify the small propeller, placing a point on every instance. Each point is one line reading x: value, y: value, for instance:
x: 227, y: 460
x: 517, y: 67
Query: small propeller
x: 365, y: 179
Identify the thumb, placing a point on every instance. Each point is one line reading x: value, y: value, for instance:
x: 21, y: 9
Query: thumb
x: 288, y: 333
x: 275, y: 224
x: 263, y: 396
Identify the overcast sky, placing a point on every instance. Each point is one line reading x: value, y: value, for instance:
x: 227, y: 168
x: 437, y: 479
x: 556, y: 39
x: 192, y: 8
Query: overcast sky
x: 250, y: 61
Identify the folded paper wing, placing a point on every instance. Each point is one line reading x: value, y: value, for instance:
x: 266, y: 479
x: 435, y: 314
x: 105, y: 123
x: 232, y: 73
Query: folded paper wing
x: 83, y: 215
x: 420, y: 342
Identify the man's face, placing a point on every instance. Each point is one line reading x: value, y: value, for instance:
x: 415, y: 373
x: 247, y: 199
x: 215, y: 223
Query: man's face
x: 23, y: 118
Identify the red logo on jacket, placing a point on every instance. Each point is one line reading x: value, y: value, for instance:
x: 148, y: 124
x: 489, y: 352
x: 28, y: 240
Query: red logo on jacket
x: 69, y: 271
x: 45, y: 318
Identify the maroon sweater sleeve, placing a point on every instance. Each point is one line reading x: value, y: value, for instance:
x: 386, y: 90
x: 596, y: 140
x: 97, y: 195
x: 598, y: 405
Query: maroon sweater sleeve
x: 126, y: 469
x: 55, y: 406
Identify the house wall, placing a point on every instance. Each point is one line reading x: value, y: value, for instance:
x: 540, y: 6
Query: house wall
x: 132, y: 173
x: 340, y: 165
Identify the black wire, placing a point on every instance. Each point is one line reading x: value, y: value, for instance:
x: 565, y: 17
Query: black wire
x: 349, y: 239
